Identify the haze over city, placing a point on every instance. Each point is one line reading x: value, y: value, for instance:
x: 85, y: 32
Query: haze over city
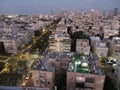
x: 45, y: 6
x: 59, y: 45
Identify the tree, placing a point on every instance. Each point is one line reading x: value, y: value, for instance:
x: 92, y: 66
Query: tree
x: 2, y: 49
x: 37, y: 33
x: 69, y: 31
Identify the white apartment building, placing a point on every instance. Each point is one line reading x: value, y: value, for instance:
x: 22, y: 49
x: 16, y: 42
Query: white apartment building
x: 61, y: 29
x: 11, y: 44
x: 94, y: 41
x: 101, y: 50
x: 82, y: 46
x: 108, y: 33
x: 27, y: 35
x: 98, y: 47
x: 116, y: 46
x: 60, y: 43
x: 9, y: 31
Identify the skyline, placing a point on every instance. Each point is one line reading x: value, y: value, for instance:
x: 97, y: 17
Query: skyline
x: 59, y: 45
x: 39, y: 6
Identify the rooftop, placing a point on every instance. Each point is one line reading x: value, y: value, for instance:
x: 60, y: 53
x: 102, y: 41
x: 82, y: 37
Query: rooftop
x: 95, y: 38
x: 79, y: 64
x: 45, y: 64
x: 84, y: 64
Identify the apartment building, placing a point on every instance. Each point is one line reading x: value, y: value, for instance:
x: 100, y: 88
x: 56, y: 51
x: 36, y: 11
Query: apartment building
x: 108, y: 33
x: 98, y: 47
x: 82, y: 46
x: 81, y: 81
x: 60, y: 43
x: 43, y: 75
x: 117, y: 75
x: 101, y: 50
x: 11, y: 44
x: 84, y: 75
x: 116, y: 46
x: 27, y: 35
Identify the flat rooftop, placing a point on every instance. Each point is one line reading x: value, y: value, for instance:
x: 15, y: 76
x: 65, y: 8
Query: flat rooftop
x: 44, y: 63
x: 76, y: 63
x: 84, y: 64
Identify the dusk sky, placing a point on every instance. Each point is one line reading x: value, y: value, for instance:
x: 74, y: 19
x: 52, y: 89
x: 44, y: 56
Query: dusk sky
x: 45, y: 6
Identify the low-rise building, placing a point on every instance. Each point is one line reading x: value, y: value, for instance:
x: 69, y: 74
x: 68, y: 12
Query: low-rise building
x: 108, y: 33
x: 82, y: 46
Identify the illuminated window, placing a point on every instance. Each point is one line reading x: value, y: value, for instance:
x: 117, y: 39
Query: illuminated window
x: 42, y: 81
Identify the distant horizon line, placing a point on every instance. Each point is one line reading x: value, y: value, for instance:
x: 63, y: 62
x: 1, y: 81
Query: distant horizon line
x: 59, y: 11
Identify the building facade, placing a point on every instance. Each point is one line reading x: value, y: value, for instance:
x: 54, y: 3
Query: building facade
x: 60, y: 43
x: 117, y: 75
x: 43, y: 79
x: 116, y: 46
x: 81, y: 81
x: 101, y: 50
x: 82, y: 46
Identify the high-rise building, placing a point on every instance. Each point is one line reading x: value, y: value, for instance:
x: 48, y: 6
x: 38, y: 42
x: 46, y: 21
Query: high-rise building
x: 84, y: 75
x: 115, y: 11
x: 43, y: 75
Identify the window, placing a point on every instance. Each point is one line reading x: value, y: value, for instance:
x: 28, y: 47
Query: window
x: 37, y: 81
x: 80, y: 79
x: 42, y: 81
x: 89, y: 80
x: 48, y: 82
x: 80, y: 85
x: 42, y: 75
